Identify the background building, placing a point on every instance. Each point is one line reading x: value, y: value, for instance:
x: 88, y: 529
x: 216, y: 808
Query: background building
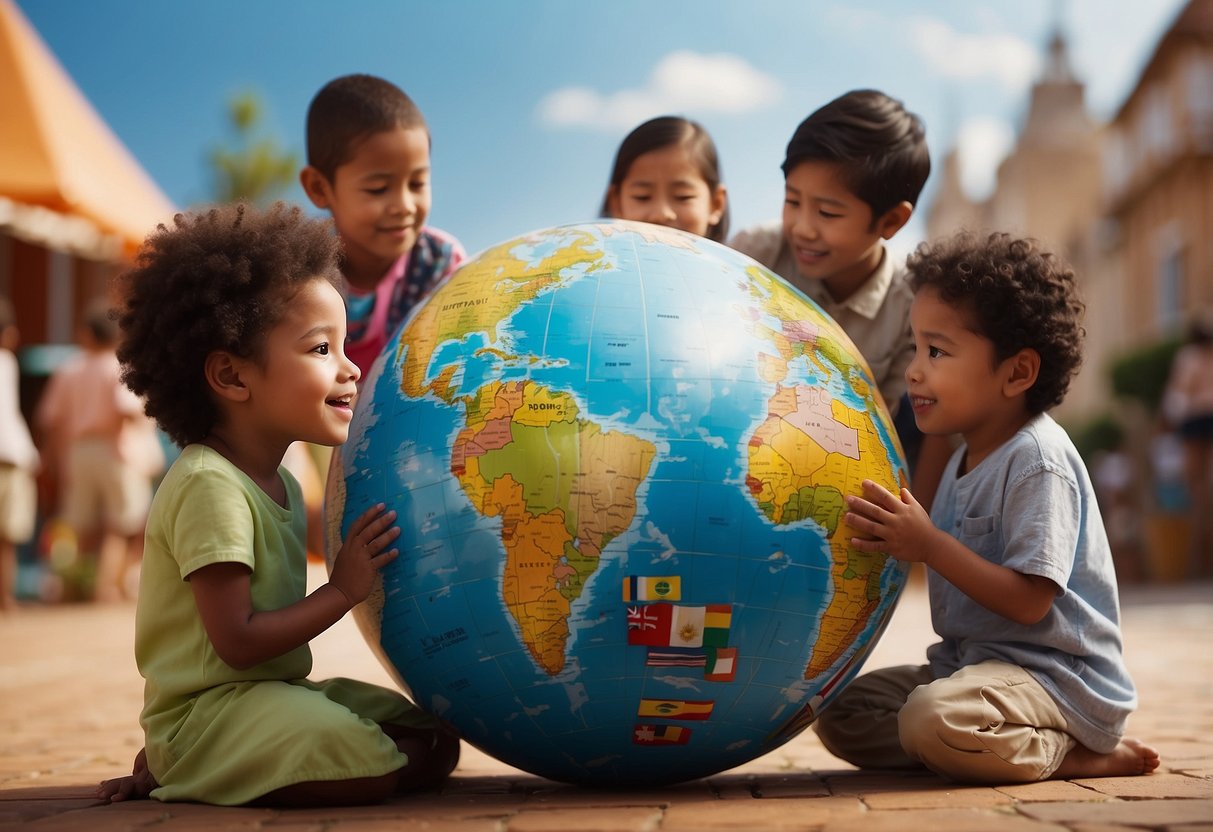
x: 1130, y: 205
x: 1158, y: 179
x: 74, y: 204
x: 1048, y: 187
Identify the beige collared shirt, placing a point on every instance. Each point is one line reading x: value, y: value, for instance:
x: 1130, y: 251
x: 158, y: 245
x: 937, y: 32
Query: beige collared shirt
x: 876, y: 316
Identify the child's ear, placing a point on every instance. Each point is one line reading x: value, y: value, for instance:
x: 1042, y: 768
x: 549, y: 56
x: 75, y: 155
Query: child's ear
x: 1022, y: 370
x: 222, y: 371
x: 612, y: 201
x: 894, y: 219
x: 316, y: 186
x: 720, y: 199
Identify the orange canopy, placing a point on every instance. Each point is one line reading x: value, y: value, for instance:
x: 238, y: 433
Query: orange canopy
x: 57, y: 153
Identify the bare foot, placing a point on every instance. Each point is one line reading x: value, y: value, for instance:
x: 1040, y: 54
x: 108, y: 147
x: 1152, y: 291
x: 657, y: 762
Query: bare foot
x: 135, y: 786
x: 1131, y: 757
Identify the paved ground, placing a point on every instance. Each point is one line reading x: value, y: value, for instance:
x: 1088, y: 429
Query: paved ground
x: 70, y: 698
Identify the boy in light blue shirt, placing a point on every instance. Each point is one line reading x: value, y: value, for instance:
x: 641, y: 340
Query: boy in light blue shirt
x: 1028, y: 681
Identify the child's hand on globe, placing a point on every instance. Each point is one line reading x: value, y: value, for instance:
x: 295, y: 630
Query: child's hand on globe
x: 364, y: 553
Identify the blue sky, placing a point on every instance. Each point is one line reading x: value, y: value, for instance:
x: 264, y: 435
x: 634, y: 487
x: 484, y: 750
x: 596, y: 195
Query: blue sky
x: 527, y: 100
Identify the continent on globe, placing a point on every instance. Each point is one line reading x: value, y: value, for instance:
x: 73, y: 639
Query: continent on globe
x: 808, y: 453
x: 563, y: 489
x: 479, y: 303
x: 617, y: 406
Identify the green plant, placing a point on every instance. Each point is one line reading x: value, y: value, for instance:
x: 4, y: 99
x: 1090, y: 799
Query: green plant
x: 1103, y: 433
x: 1142, y: 373
x: 253, y: 168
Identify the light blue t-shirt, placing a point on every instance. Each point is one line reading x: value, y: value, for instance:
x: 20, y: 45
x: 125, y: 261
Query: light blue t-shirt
x: 1030, y: 507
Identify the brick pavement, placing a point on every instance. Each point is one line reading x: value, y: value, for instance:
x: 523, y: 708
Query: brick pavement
x: 70, y: 698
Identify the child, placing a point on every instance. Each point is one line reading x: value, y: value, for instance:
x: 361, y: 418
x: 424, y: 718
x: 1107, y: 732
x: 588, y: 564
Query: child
x: 95, y: 434
x: 853, y: 172
x: 18, y: 462
x: 368, y: 153
x: 1028, y: 682
x: 233, y: 330
x: 666, y: 172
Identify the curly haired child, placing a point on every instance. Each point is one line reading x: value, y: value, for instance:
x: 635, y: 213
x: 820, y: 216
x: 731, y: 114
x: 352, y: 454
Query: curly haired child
x: 233, y: 329
x: 1028, y: 681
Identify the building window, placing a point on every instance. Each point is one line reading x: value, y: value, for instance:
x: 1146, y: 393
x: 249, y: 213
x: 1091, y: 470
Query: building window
x: 1158, y: 131
x: 1117, y: 164
x: 1198, y: 77
x: 1170, y: 285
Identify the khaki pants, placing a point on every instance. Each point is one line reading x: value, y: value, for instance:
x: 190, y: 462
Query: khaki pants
x: 986, y: 723
x: 102, y: 492
x: 18, y: 504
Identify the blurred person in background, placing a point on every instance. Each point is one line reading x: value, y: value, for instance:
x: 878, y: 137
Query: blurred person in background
x: 94, y: 431
x: 1188, y: 408
x: 18, y: 462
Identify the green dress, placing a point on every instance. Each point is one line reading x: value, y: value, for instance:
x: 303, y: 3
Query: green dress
x: 219, y: 735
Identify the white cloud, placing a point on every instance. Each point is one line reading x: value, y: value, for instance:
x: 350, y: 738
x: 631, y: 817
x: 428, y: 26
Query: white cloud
x: 681, y: 82
x: 982, y: 143
x: 1009, y: 59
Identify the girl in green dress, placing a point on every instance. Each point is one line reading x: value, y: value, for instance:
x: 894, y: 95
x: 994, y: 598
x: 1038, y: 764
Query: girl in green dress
x: 233, y: 332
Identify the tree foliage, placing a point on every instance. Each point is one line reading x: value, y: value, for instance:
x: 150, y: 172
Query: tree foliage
x: 253, y: 167
x: 1142, y: 373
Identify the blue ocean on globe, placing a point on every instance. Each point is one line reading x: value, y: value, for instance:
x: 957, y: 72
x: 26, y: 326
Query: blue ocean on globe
x: 619, y: 455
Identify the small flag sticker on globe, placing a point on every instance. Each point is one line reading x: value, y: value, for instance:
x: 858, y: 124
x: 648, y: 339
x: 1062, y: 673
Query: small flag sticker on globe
x: 651, y: 589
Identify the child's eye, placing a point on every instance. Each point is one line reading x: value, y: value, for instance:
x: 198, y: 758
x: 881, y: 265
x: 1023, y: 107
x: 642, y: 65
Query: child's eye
x: 377, y: 191
x: 829, y: 215
x: 934, y: 352
x: 321, y: 349
x: 791, y: 203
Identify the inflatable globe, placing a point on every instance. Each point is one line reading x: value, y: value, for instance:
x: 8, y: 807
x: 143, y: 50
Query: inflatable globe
x: 619, y: 455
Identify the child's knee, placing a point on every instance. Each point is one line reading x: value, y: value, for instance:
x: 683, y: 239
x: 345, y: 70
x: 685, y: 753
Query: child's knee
x: 446, y: 755
x: 922, y: 726
x: 432, y: 756
x: 934, y: 732
x: 954, y: 741
x: 830, y: 729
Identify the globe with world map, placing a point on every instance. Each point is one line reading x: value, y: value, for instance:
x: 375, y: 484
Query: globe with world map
x: 619, y: 455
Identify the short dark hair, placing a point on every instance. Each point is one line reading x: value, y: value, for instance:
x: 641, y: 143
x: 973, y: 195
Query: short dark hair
x: 880, y: 148
x: 100, y: 322
x: 1200, y: 327
x: 216, y: 280
x: 668, y: 131
x: 1016, y: 295
x: 347, y: 110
